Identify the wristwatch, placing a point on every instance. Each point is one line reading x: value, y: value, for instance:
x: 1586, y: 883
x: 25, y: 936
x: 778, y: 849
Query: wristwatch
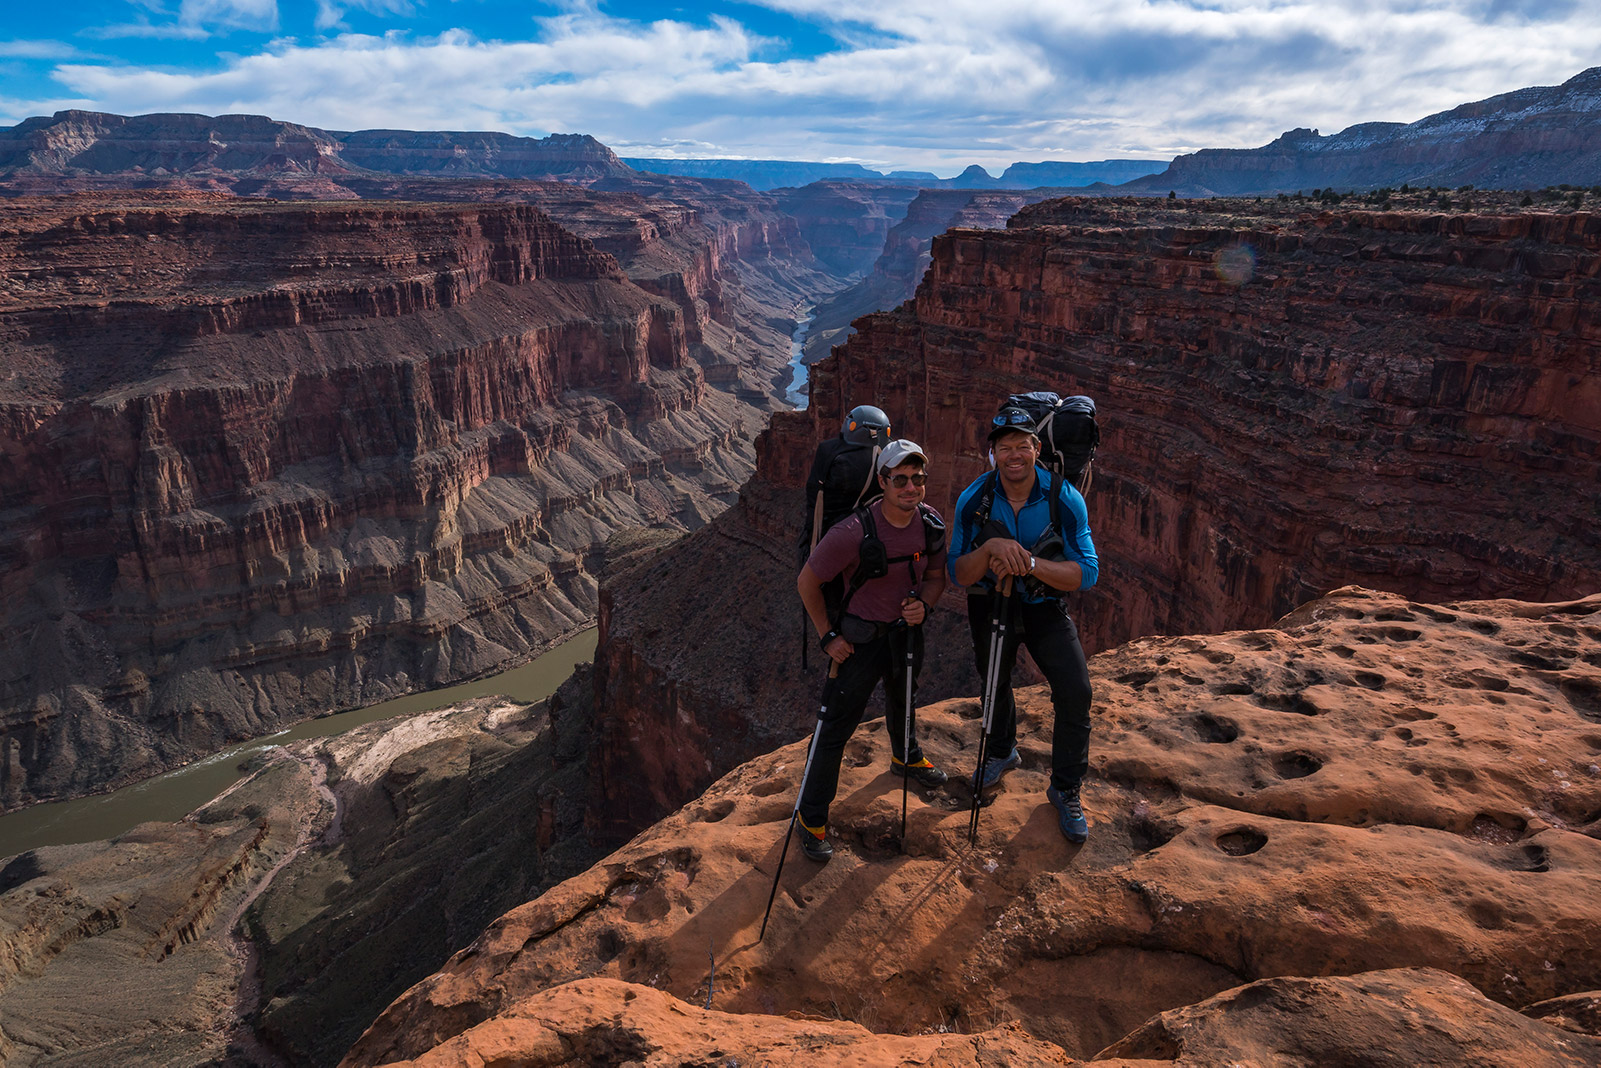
x: 825, y: 639
x: 1031, y: 563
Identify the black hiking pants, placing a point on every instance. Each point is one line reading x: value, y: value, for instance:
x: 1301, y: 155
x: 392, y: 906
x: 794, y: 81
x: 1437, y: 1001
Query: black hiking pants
x: 1048, y: 632
x: 845, y: 698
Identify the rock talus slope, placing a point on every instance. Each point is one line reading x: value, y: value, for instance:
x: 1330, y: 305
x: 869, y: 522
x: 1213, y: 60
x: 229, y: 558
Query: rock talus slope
x: 1366, y: 834
x: 264, y: 460
x: 1289, y: 402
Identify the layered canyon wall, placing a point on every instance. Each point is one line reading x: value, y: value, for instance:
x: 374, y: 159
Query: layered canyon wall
x: 1289, y: 402
x: 263, y: 461
x: 905, y: 256
x: 845, y: 223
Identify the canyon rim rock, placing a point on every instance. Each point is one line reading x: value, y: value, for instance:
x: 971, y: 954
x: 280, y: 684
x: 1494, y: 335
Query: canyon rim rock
x: 266, y: 460
x: 1367, y: 834
x: 1290, y: 401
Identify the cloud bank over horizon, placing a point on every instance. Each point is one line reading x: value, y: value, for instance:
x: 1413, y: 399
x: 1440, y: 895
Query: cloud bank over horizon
x: 895, y: 86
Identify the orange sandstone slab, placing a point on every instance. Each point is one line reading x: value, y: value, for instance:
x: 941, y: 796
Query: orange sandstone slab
x: 1257, y: 812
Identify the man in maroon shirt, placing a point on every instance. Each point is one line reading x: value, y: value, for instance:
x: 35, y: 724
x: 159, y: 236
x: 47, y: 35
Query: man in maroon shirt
x: 880, y: 615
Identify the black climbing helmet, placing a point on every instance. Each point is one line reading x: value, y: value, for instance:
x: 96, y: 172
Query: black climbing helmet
x: 866, y: 425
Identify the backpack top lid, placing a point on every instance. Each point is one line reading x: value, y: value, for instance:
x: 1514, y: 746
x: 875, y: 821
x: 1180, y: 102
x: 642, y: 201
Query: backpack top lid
x: 865, y: 425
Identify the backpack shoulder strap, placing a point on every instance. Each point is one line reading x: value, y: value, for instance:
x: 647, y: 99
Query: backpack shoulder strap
x: 933, y: 529
x: 980, y: 505
x: 1058, y: 480
x: 872, y: 470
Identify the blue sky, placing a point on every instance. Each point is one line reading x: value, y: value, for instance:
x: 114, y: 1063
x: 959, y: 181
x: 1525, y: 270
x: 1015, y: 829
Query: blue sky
x: 925, y: 84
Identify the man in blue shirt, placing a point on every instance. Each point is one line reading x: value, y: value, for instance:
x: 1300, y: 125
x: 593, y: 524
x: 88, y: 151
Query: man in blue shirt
x: 1002, y: 526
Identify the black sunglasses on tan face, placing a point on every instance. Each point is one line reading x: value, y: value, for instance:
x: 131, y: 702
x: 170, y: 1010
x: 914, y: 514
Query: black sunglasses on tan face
x: 899, y: 481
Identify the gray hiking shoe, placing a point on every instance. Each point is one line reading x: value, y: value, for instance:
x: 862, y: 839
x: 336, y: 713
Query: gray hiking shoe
x: 1069, y: 815
x: 995, y: 767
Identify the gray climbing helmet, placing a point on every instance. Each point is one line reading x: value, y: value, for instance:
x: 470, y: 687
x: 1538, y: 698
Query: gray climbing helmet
x: 866, y: 425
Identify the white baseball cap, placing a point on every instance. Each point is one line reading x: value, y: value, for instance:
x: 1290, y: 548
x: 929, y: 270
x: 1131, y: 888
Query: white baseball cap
x: 898, y: 452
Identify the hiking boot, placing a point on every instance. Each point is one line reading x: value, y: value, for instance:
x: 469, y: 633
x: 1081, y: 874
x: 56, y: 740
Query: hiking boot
x: 923, y: 771
x: 1069, y: 814
x: 814, y: 843
x: 995, y: 767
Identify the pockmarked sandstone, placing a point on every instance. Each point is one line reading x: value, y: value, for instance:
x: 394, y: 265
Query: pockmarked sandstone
x: 1290, y: 401
x: 1366, y: 833
x: 266, y: 460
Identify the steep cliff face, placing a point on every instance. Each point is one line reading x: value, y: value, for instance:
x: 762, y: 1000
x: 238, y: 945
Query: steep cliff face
x: 1527, y: 139
x: 844, y: 223
x: 904, y: 258
x: 263, y: 461
x: 1288, y: 403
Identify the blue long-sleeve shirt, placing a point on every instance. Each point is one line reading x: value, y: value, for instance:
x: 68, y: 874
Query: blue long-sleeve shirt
x: 1027, y: 524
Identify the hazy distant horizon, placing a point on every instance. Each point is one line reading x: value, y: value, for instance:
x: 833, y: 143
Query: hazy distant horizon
x: 898, y: 87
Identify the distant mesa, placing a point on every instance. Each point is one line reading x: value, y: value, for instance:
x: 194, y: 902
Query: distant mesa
x: 766, y: 174
x: 86, y: 144
x: 763, y: 174
x: 1527, y: 139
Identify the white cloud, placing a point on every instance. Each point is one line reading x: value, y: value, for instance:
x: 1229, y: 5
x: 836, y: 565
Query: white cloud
x: 331, y: 13
x: 261, y: 15
x: 988, y: 81
x: 40, y: 50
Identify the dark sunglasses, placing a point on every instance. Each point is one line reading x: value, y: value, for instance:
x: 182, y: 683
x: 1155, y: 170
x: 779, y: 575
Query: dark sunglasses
x: 899, y: 481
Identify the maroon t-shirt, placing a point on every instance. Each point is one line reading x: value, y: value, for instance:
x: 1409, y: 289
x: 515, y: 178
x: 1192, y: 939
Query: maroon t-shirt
x: 879, y: 599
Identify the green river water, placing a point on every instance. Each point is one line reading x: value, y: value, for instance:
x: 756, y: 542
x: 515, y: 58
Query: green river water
x: 179, y: 792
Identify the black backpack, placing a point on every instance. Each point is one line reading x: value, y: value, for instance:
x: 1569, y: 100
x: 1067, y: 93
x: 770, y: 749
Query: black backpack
x: 1067, y: 431
x: 841, y: 482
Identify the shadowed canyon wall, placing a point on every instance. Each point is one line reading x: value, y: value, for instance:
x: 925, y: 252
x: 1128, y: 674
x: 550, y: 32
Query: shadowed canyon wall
x: 262, y: 461
x: 905, y: 256
x: 1289, y: 403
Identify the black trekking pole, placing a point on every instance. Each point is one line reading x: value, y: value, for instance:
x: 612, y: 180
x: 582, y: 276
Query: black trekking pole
x: 906, y: 735
x: 794, y: 813
x: 1000, y: 599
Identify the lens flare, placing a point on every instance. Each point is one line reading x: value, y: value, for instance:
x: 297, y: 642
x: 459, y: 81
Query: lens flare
x: 1236, y: 265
